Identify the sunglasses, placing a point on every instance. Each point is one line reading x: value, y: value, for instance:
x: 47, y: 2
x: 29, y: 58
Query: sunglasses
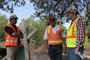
x: 71, y: 11
x: 14, y: 18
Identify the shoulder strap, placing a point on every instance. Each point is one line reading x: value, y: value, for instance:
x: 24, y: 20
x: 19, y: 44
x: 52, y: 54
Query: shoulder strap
x: 48, y: 29
x: 73, y: 23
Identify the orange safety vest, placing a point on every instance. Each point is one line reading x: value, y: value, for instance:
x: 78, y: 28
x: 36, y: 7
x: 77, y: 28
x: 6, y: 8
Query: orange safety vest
x: 10, y: 40
x: 54, y: 38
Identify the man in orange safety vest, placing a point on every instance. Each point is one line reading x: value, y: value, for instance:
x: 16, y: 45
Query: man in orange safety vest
x: 13, y: 35
x: 53, y: 39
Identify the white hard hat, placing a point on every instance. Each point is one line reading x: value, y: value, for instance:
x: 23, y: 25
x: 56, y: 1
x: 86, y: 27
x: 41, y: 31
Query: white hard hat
x: 72, y: 8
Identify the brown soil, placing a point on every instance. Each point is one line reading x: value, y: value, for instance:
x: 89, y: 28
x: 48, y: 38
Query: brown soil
x: 40, y: 54
x: 87, y: 52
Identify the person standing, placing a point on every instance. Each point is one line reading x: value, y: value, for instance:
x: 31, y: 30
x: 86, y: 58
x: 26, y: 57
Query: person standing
x: 53, y: 39
x: 75, y: 36
x: 13, y: 35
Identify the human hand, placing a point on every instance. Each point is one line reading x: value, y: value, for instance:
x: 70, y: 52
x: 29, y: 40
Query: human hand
x: 16, y: 34
x: 46, y: 48
x: 76, y: 51
x: 46, y: 51
x: 65, y: 50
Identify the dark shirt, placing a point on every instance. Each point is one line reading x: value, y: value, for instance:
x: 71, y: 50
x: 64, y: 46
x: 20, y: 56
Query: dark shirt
x: 10, y: 31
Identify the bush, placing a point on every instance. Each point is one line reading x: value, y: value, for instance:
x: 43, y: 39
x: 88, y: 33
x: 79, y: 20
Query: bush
x: 37, y: 39
x: 3, y: 22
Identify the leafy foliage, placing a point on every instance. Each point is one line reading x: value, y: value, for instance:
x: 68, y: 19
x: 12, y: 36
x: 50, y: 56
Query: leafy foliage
x: 3, y: 22
x: 47, y: 7
x: 8, y: 5
x: 58, y: 7
x: 37, y: 39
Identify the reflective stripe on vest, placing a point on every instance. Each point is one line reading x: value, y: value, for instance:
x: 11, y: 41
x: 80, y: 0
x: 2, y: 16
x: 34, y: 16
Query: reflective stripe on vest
x: 53, y: 38
x: 54, y: 42
x: 10, y: 40
x: 72, y: 35
x: 15, y: 41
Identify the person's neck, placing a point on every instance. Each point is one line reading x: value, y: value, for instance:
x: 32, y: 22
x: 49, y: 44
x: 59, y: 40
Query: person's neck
x: 53, y: 25
x: 12, y: 24
x: 74, y: 18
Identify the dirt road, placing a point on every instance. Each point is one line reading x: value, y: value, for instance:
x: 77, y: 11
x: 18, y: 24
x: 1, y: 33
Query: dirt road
x: 39, y: 54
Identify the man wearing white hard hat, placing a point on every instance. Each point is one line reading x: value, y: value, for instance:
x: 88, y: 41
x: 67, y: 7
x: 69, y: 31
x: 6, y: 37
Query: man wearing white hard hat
x: 75, y: 37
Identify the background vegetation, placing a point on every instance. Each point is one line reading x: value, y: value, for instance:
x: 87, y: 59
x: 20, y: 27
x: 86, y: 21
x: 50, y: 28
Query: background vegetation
x: 3, y: 22
x: 37, y: 39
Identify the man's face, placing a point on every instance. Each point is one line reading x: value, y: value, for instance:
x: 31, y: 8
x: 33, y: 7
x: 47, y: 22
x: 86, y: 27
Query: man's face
x: 71, y: 14
x: 53, y: 23
x: 14, y: 21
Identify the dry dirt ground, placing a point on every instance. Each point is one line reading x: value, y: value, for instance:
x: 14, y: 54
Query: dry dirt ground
x: 40, y: 54
x: 87, y: 52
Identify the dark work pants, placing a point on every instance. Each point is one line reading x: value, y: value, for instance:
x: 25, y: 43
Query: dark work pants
x: 55, y: 52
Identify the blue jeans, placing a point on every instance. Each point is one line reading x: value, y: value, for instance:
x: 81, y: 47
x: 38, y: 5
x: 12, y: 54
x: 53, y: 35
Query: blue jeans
x: 55, y: 52
x: 71, y: 54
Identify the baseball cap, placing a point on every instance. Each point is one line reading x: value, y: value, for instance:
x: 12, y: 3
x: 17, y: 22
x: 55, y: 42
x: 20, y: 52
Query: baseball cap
x: 13, y: 17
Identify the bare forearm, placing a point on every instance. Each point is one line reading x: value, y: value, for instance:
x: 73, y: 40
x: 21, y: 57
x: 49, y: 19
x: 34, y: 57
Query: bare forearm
x: 46, y: 44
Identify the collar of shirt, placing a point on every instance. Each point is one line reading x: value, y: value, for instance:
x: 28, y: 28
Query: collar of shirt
x: 67, y: 24
x: 56, y: 28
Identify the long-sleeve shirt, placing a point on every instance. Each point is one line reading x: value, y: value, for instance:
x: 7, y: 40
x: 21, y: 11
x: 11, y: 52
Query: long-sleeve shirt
x: 80, y: 32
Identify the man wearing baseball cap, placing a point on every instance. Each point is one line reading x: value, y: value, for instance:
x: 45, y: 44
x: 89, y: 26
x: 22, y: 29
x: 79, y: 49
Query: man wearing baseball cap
x: 53, y: 39
x: 13, y: 35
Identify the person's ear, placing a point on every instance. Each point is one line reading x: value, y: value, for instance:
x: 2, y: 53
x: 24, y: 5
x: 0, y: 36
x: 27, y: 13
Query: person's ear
x: 10, y: 20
